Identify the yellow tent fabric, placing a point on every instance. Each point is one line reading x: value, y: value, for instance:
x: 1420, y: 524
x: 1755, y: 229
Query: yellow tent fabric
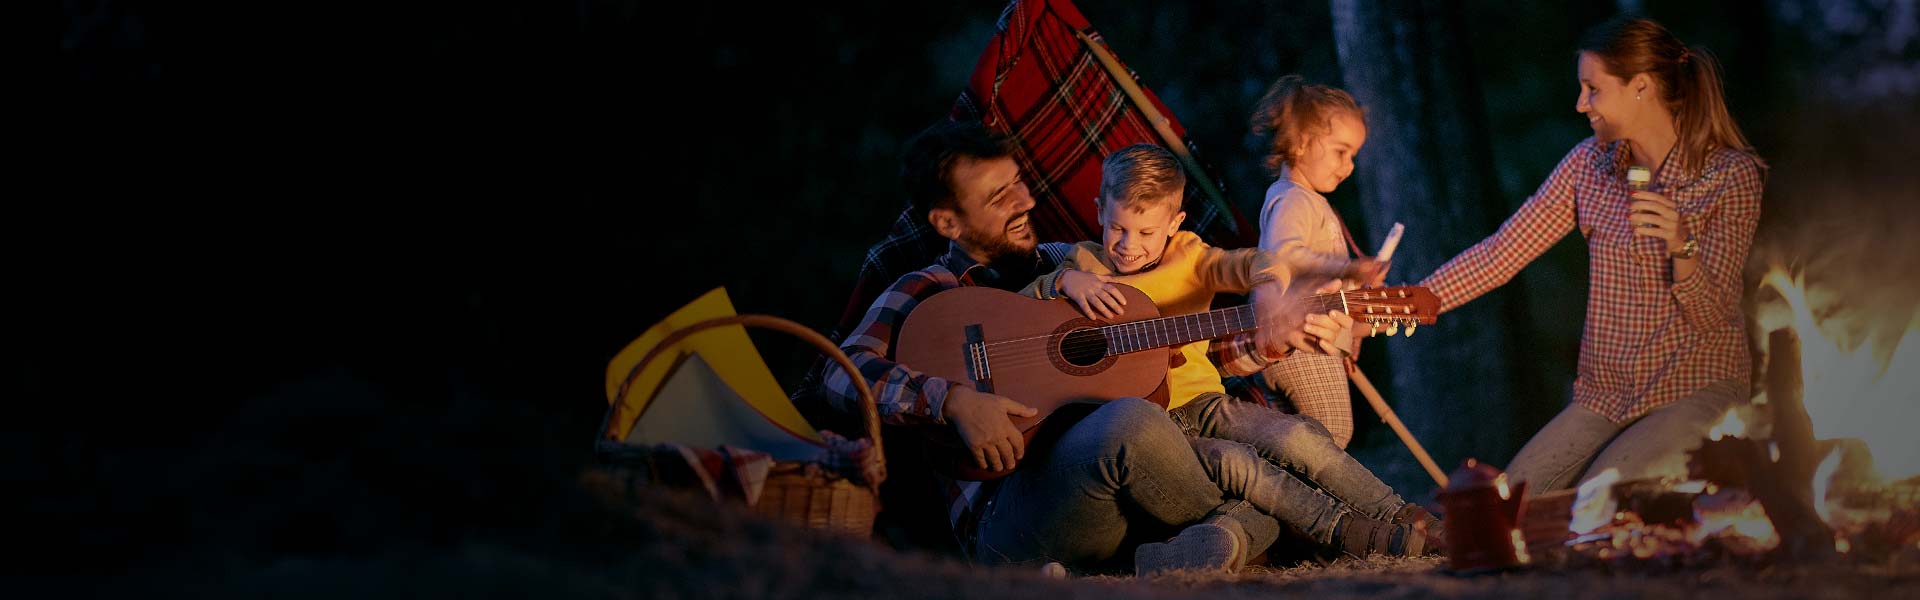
x: 727, y: 350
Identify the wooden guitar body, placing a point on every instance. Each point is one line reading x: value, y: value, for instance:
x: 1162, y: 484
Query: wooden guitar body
x: 1011, y: 345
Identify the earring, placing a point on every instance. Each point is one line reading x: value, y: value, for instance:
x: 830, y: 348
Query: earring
x: 1637, y: 97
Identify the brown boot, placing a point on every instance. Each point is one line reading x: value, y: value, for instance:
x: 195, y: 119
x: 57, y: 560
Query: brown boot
x: 1360, y: 536
x: 1434, y: 531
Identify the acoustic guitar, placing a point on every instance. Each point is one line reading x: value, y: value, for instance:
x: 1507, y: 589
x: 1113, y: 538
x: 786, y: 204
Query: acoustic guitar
x: 1047, y: 355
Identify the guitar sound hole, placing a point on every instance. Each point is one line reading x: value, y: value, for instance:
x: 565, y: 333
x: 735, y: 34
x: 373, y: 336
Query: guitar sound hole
x: 1083, y: 348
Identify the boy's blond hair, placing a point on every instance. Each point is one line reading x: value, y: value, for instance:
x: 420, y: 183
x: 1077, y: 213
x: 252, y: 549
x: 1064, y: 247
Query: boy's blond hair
x: 1140, y: 177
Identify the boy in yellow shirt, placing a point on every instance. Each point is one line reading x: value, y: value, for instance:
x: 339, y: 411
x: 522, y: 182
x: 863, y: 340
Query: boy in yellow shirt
x: 1287, y: 465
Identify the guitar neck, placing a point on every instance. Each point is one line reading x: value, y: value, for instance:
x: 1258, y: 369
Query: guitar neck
x: 1163, y: 332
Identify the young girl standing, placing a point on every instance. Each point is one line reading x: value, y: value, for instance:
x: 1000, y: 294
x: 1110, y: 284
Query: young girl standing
x: 1315, y: 131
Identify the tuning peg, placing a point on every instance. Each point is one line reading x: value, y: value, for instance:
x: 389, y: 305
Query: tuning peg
x: 1393, y: 328
x: 1412, y: 325
x: 1373, y: 328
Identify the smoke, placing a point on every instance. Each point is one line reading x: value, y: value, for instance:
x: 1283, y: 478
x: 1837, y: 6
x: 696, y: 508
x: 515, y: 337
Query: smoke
x: 1839, y: 211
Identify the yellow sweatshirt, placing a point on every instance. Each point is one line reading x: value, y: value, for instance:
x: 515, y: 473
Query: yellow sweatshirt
x: 1189, y: 273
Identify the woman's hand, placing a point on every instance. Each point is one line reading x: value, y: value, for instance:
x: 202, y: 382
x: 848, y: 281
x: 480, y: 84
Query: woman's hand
x: 1094, y: 295
x: 1657, y: 216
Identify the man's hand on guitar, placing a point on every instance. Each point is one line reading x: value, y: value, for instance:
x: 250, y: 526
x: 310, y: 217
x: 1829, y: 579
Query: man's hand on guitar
x: 1093, y: 294
x: 984, y: 423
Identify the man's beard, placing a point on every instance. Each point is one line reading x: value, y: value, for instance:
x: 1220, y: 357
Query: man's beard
x: 996, y: 246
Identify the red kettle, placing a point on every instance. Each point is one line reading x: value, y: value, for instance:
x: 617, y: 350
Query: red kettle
x: 1483, y: 519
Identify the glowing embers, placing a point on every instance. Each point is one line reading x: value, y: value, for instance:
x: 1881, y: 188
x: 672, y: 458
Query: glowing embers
x: 1667, y: 523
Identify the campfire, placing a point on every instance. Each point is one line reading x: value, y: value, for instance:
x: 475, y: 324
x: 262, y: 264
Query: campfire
x: 1822, y: 466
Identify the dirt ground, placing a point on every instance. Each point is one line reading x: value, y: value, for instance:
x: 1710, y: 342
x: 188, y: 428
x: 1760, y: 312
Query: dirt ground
x: 686, y: 549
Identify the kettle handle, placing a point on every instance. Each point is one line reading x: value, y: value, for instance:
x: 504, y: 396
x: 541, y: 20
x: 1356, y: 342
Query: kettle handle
x: 1518, y: 501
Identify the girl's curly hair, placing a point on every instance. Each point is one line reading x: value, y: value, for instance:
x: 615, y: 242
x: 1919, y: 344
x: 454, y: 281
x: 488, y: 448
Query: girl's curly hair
x: 1295, y: 112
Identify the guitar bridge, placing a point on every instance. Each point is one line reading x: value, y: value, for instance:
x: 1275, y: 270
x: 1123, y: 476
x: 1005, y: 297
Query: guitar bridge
x: 978, y: 368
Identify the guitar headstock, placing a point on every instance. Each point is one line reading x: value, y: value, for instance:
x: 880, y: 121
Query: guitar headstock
x: 1390, y: 308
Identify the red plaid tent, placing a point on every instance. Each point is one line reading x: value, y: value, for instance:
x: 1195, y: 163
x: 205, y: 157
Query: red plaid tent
x: 1040, y: 83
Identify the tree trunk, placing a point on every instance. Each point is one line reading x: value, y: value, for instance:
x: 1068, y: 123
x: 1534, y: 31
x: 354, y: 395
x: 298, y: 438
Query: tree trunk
x: 1426, y: 164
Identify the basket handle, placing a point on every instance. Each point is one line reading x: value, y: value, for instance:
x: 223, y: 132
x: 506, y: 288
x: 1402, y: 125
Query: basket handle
x: 869, y: 412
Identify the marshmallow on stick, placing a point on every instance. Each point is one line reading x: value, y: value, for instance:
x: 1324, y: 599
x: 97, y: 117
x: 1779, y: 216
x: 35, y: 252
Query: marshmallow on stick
x: 1393, y: 242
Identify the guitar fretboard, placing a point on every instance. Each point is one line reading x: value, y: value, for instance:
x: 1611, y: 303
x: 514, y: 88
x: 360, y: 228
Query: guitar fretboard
x: 1125, y: 338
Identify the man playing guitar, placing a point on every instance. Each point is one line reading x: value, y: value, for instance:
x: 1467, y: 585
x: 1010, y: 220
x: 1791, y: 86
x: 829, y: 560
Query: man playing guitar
x: 1122, y: 474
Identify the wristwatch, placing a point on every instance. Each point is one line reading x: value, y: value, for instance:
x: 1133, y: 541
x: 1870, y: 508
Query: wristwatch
x: 1688, y: 249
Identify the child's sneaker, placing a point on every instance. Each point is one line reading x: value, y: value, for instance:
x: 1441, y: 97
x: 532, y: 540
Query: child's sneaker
x: 1204, y: 547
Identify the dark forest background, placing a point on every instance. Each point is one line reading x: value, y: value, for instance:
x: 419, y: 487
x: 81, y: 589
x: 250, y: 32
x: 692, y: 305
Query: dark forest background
x: 313, y: 285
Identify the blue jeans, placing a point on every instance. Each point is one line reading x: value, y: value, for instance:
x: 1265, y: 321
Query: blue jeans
x: 1296, y: 445
x: 1655, y: 445
x: 1122, y: 475
x: 1240, y: 472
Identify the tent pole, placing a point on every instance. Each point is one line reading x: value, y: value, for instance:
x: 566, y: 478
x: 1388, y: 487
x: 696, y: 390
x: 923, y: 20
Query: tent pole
x: 1160, y: 126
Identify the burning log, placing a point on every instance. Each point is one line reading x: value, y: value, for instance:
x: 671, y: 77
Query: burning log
x: 1655, y: 501
x: 1786, y: 486
x: 1543, y: 524
x: 1727, y: 462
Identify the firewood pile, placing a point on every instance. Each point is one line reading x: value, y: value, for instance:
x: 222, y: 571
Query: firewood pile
x: 1759, y: 492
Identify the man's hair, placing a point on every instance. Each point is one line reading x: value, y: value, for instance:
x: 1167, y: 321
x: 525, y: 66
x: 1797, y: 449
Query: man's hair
x: 1140, y: 176
x: 927, y: 166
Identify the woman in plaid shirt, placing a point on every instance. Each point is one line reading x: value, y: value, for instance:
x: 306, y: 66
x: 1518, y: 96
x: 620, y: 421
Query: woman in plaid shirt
x: 1664, y: 352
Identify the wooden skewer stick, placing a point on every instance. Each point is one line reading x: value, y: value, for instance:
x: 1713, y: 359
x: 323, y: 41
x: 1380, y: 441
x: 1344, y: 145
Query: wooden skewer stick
x: 1393, y: 420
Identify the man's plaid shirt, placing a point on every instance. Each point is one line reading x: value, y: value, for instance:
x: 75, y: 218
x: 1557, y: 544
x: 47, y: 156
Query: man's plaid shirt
x: 905, y: 396
x: 1649, y: 340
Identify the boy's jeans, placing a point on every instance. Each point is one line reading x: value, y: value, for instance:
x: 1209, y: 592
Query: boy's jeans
x: 1298, y: 444
x: 1123, y: 470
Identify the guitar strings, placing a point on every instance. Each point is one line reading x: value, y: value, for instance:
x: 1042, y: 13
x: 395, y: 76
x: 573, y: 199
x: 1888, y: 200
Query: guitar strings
x: 1035, y: 351
x: 1119, y: 335
x: 1110, y: 326
x: 1327, y: 300
x: 1023, y: 351
x: 1030, y: 355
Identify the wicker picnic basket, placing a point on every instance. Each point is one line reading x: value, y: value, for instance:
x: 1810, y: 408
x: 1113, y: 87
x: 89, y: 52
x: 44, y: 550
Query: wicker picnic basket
x: 800, y: 492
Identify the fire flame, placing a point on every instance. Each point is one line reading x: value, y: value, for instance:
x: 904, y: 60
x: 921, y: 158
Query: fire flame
x: 1734, y: 513
x: 1519, y: 547
x: 1594, y: 505
x: 1731, y: 425
x: 1822, y: 485
x: 1849, y: 392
